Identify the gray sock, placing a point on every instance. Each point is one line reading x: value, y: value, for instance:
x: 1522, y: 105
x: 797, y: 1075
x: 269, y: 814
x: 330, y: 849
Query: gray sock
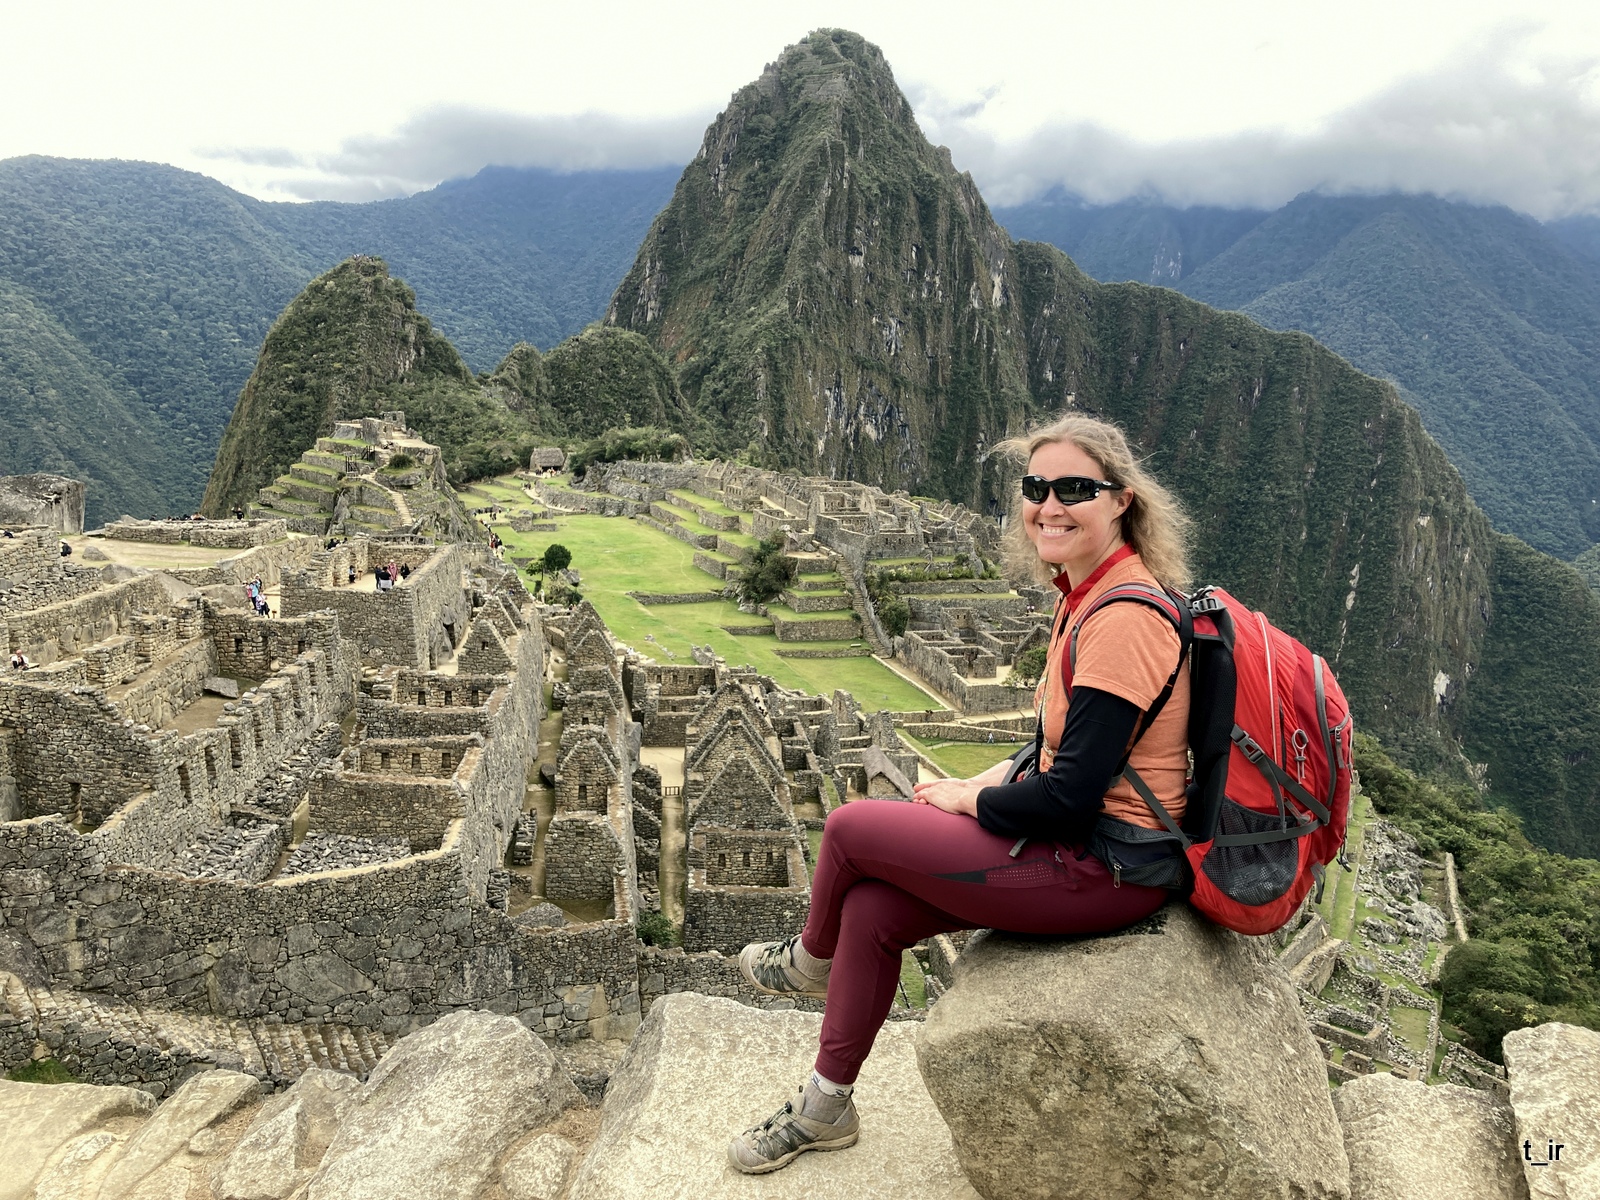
x: 810, y: 964
x: 822, y: 1105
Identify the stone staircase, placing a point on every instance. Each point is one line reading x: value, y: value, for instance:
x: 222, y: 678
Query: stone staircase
x: 102, y: 1039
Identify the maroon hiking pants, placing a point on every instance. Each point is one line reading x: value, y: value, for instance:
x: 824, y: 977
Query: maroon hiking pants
x: 890, y: 874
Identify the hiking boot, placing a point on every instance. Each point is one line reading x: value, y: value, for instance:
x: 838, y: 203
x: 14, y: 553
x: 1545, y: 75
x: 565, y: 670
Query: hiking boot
x: 810, y: 1121
x: 770, y: 967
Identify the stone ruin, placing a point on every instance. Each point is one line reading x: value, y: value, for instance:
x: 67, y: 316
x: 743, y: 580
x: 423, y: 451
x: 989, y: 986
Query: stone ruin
x: 965, y: 630
x: 373, y: 476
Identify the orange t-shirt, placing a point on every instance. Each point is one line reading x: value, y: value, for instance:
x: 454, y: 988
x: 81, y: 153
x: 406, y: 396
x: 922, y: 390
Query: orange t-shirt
x: 1128, y: 649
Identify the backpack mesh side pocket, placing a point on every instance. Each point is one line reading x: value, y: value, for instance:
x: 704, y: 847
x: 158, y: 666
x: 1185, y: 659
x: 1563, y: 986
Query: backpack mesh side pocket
x: 1251, y: 874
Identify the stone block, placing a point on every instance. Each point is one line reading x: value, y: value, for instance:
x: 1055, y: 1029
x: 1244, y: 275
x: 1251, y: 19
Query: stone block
x: 207, y: 1098
x: 1167, y: 1060
x: 1408, y: 1141
x: 221, y: 685
x: 37, y: 1120
x: 703, y: 1068
x: 440, y: 1108
x: 1554, y: 1072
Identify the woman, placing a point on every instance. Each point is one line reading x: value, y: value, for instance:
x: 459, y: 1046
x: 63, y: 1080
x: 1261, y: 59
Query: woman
x: 985, y: 851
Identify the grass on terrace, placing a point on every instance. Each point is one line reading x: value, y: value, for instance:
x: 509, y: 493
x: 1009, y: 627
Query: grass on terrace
x: 615, y: 556
x: 963, y: 760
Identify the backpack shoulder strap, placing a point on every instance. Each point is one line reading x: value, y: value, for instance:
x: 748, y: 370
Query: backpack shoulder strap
x: 1174, y: 607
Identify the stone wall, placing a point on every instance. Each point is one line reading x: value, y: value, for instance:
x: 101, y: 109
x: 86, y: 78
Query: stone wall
x: 416, y: 623
x: 66, y: 628
x: 820, y: 629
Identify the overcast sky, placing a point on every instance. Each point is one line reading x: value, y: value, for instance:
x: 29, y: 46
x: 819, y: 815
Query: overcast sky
x: 1192, y: 102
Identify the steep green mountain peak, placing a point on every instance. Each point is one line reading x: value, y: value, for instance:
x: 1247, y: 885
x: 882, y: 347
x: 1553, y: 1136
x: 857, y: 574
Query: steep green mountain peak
x: 352, y: 331
x: 833, y: 291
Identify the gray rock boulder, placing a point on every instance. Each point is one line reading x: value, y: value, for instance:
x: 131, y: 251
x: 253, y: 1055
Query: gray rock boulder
x: 38, y: 1120
x: 538, y: 1171
x: 287, y: 1139
x: 1408, y: 1141
x: 205, y: 1099
x: 440, y: 1108
x: 53, y: 501
x: 703, y: 1068
x: 75, y: 1172
x: 1554, y: 1072
x: 1164, y: 1062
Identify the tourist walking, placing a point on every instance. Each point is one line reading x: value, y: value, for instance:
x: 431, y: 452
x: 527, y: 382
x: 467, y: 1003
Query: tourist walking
x: 995, y: 851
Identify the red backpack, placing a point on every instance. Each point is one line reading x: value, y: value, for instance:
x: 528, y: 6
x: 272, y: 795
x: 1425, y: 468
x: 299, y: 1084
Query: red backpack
x: 1270, y: 737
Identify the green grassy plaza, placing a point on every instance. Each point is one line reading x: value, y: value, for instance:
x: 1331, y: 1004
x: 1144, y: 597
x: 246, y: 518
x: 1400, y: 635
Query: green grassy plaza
x: 963, y: 760
x: 615, y: 556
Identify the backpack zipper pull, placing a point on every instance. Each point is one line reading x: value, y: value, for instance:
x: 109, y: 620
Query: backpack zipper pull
x: 1116, y: 872
x: 1299, y: 741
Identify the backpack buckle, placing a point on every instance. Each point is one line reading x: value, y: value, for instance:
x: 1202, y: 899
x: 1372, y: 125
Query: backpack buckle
x: 1205, y: 604
x: 1248, y: 746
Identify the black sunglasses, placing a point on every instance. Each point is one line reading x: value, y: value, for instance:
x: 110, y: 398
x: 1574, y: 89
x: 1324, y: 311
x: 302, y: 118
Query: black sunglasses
x: 1069, y: 489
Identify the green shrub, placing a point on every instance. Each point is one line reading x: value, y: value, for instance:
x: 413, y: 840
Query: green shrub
x: 894, y: 614
x: 1029, y: 666
x: 401, y: 461
x: 44, y: 1070
x: 768, y: 573
x: 656, y: 930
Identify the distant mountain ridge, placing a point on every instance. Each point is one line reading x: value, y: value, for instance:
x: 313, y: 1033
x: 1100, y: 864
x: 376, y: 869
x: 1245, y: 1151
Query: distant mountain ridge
x: 142, y: 293
x: 1487, y: 321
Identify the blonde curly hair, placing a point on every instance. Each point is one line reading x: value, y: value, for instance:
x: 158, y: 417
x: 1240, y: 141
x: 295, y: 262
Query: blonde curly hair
x: 1154, y: 523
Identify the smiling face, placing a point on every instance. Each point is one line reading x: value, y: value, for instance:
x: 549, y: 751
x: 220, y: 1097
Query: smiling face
x: 1075, y: 537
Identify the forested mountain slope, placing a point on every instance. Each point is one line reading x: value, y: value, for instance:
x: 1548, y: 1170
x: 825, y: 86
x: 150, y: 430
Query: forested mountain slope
x: 1487, y: 321
x: 838, y: 298
x: 142, y: 293
x: 1133, y: 240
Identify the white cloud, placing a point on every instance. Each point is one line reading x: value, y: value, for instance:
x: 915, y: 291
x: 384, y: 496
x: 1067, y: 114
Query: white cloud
x: 1503, y: 119
x: 452, y: 142
x: 1493, y: 125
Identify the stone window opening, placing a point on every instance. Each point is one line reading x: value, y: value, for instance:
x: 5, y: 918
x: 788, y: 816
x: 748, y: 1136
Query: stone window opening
x: 746, y: 858
x: 416, y: 764
x: 211, y: 768
x: 449, y: 698
x: 266, y: 644
x: 422, y: 699
x: 722, y: 860
x: 476, y: 694
x: 238, y: 645
x: 235, y: 750
x: 583, y: 793
x: 183, y: 781
x: 769, y: 858
x: 76, y: 801
x: 383, y: 760
x: 444, y: 761
x: 301, y: 646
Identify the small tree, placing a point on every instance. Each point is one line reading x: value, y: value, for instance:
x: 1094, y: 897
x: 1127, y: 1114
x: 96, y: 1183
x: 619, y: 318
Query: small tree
x: 1028, y: 666
x: 769, y: 572
x: 556, y: 558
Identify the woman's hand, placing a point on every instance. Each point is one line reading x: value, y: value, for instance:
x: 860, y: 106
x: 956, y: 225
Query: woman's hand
x: 952, y: 795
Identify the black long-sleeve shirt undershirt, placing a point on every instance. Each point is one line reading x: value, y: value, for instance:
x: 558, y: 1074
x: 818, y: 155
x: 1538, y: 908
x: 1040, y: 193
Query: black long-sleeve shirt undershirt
x: 1062, y: 804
